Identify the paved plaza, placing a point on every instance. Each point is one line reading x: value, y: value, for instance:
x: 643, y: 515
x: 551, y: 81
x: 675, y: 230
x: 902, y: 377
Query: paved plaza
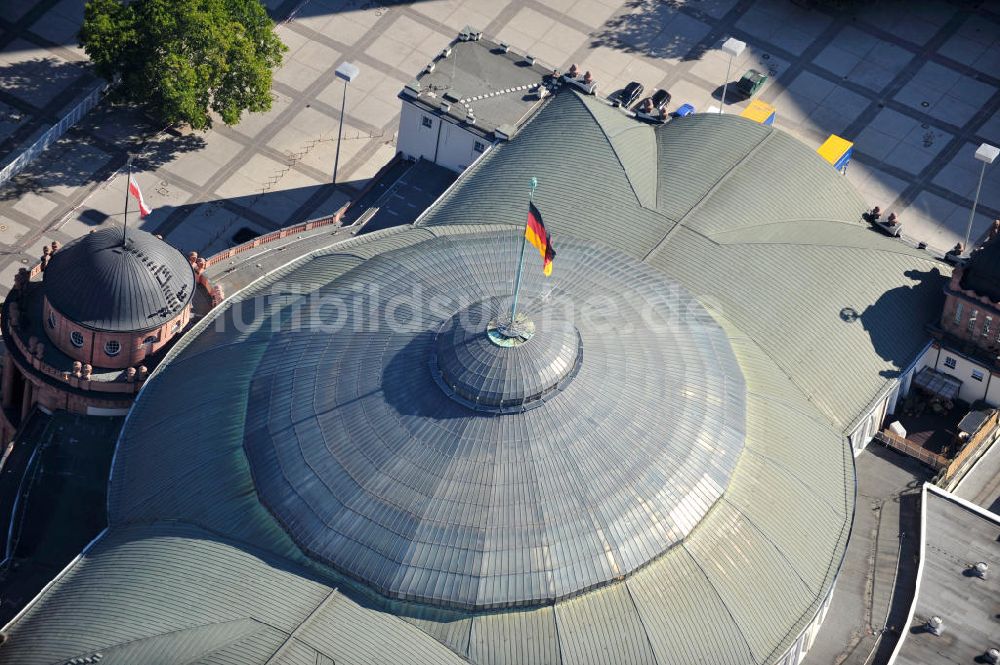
x: 914, y: 87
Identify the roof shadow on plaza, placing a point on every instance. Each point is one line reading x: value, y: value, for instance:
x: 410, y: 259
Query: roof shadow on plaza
x: 892, y: 342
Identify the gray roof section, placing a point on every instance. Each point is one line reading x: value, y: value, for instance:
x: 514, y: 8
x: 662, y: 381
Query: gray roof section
x: 956, y: 536
x: 743, y: 584
x: 779, y: 257
x: 103, y: 283
x: 429, y: 499
x: 497, y: 87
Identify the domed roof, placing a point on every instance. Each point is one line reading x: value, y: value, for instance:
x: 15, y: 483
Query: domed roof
x: 408, y: 455
x: 982, y: 274
x: 488, y: 367
x: 105, y: 283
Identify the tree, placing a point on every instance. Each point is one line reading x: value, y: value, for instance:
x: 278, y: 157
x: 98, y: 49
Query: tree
x: 182, y: 59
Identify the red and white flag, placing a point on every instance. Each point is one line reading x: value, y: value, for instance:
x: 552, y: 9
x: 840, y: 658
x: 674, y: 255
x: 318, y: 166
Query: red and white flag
x: 133, y: 189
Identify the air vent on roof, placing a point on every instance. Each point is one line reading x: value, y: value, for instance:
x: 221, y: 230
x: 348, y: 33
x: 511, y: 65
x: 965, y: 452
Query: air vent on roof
x: 980, y: 569
x: 452, y: 96
x: 530, y: 59
x: 445, y: 52
x: 429, y: 68
x: 470, y: 34
x: 412, y: 89
x: 505, y: 47
x: 470, y: 119
x: 445, y: 106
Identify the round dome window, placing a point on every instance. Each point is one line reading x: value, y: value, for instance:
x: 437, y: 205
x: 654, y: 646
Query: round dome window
x: 112, y: 348
x: 76, y: 337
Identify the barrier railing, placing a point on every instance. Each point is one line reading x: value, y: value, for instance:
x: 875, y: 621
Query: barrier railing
x: 53, y: 134
x: 911, y: 449
x: 333, y: 219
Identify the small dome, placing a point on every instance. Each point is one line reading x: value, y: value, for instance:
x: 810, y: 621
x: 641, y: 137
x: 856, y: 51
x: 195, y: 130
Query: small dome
x: 103, y: 283
x: 982, y: 275
x: 477, y: 364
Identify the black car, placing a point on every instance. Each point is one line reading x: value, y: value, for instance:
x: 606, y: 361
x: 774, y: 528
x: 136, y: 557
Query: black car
x: 629, y: 94
x: 660, y: 99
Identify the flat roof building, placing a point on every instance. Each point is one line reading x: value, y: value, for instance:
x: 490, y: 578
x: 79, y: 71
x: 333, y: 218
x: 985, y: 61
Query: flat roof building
x: 954, y: 616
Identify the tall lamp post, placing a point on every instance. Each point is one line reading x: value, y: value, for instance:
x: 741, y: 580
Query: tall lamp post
x: 734, y: 48
x: 986, y: 154
x: 348, y: 73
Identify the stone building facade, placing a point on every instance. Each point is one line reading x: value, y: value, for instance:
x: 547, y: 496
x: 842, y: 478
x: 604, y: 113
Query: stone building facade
x: 84, y: 327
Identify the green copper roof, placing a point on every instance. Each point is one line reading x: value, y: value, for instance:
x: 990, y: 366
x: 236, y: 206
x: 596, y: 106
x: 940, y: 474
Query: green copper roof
x: 755, y: 225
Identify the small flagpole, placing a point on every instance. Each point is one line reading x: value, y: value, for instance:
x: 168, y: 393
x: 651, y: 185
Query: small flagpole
x: 520, y: 262
x: 128, y: 184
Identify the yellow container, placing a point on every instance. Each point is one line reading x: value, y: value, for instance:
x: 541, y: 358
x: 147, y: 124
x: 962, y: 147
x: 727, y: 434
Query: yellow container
x: 759, y: 111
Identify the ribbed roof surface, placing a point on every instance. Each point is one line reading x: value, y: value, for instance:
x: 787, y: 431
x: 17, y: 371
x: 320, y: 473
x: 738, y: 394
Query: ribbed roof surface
x: 479, y: 362
x: 764, y: 233
x: 103, y: 283
x: 374, y: 469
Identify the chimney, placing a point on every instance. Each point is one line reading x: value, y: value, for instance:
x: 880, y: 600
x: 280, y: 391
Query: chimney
x: 429, y: 68
x: 505, y: 47
x: 992, y: 656
x: 530, y: 59
x: 980, y: 569
x: 445, y: 52
x: 934, y: 625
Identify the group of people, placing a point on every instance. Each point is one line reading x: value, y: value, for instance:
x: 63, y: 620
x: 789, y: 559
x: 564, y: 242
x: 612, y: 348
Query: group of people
x: 876, y: 213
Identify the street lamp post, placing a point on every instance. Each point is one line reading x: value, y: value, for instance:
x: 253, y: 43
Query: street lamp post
x: 734, y: 48
x: 986, y: 154
x: 348, y: 73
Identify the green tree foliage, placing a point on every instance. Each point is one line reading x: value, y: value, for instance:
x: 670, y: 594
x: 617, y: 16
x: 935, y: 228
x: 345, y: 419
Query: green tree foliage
x: 182, y: 59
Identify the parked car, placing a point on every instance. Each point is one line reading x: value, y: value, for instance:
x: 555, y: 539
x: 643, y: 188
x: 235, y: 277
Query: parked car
x: 660, y: 99
x: 751, y: 82
x: 683, y: 110
x: 627, y: 96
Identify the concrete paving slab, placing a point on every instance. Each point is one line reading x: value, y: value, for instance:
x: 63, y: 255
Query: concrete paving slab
x: 11, y: 231
x: 875, y: 185
x: 35, y: 205
x: 917, y: 25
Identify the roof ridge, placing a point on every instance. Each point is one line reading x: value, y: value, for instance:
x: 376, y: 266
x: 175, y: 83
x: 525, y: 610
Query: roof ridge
x: 611, y: 144
x: 706, y: 196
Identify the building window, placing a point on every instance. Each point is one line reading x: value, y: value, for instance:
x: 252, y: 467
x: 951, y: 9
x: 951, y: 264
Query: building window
x: 972, y: 320
x: 977, y: 375
x: 426, y: 122
x: 958, y: 314
x: 52, y: 320
x: 174, y: 328
x: 949, y: 362
x: 986, y: 326
x: 112, y: 348
x: 76, y: 338
x: 152, y: 339
x: 479, y: 146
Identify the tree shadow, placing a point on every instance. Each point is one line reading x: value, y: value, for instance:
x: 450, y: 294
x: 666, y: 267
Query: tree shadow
x: 644, y: 28
x: 33, y: 92
x: 895, y: 343
x: 81, y: 157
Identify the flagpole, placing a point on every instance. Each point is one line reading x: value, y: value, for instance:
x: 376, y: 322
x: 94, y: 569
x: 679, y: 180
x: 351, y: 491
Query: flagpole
x: 128, y: 183
x: 520, y: 262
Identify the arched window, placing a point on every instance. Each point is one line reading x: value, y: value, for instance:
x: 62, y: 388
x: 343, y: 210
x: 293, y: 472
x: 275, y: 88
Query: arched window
x: 76, y: 337
x: 52, y: 319
x: 112, y: 347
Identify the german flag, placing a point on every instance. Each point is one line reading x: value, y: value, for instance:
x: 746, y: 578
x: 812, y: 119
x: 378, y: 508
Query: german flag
x: 536, y: 234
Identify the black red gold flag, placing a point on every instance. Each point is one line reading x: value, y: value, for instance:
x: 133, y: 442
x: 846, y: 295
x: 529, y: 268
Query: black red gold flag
x: 536, y: 234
